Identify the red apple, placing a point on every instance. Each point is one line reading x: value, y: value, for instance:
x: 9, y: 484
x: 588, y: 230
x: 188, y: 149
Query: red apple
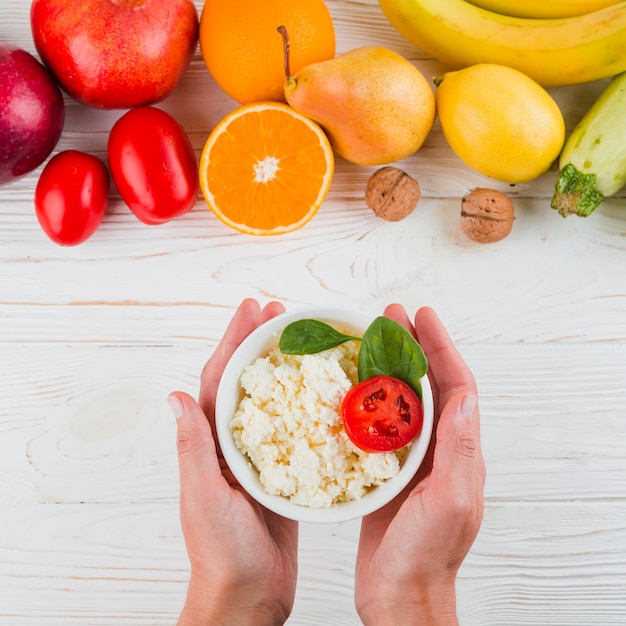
x: 116, y: 54
x: 32, y: 113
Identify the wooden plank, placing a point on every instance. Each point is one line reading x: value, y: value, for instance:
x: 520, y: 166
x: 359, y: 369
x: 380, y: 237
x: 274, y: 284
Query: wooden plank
x: 93, y: 338
x: 90, y: 564
x: 90, y: 424
x: 163, y: 284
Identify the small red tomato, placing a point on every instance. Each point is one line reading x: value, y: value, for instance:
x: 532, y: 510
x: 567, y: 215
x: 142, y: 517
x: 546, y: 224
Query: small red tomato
x: 153, y: 165
x: 71, y: 196
x: 381, y: 414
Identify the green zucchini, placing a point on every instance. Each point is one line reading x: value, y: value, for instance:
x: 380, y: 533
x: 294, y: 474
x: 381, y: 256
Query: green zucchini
x: 593, y: 160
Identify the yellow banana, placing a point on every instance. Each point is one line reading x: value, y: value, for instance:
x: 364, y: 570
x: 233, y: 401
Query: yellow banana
x: 543, y: 8
x: 553, y: 52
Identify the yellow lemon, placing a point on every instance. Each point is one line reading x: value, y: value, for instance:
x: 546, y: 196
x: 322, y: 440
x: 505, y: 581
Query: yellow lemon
x: 500, y: 122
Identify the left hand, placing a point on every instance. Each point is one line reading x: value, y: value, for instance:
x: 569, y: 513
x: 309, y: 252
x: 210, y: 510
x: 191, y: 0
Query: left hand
x: 243, y: 557
x: 411, y: 549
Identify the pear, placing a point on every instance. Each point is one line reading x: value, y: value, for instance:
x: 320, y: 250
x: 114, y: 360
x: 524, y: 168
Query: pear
x: 373, y: 104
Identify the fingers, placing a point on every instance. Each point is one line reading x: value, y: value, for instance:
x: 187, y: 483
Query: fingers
x: 246, y: 319
x: 447, y: 367
x: 270, y: 310
x: 397, y: 313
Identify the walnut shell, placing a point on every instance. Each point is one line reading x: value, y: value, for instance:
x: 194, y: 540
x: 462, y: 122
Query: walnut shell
x: 392, y: 194
x: 486, y: 215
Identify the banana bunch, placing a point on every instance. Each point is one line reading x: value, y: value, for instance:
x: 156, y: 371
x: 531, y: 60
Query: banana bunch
x: 543, y: 8
x: 552, y: 51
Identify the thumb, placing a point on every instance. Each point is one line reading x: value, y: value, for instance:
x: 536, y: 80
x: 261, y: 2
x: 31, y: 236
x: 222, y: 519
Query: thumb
x: 197, y: 453
x: 458, y: 458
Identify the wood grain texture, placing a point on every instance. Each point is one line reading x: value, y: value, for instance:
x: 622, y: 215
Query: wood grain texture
x: 93, y: 338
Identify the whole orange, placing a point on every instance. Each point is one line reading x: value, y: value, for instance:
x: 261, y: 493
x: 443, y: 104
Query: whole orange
x: 244, y: 52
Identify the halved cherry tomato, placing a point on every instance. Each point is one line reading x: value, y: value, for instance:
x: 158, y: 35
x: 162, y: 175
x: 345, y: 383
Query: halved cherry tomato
x: 381, y: 414
x: 71, y: 196
x: 153, y: 165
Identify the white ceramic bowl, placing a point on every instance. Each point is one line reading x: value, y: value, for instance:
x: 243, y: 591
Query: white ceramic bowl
x: 259, y: 343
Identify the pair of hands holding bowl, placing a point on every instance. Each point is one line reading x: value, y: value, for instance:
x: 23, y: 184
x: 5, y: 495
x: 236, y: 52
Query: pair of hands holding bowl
x: 244, y: 557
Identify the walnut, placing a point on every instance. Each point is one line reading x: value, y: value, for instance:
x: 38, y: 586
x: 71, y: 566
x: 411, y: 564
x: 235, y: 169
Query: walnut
x: 392, y: 194
x: 486, y: 215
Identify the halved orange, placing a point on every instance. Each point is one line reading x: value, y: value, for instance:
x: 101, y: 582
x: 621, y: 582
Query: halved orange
x: 266, y: 169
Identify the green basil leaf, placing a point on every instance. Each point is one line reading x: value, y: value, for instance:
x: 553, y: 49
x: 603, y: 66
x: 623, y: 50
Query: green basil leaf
x: 389, y: 349
x: 310, y: 337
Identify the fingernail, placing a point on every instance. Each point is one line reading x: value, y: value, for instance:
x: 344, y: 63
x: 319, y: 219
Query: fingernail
x: 176, y: 405
x: 468, y: 406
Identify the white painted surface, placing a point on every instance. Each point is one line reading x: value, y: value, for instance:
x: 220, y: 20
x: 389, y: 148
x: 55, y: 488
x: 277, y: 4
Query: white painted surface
x: 93, y: 338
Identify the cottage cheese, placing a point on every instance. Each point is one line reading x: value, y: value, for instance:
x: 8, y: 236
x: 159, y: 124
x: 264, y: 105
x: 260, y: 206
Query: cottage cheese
x: 289, y: 425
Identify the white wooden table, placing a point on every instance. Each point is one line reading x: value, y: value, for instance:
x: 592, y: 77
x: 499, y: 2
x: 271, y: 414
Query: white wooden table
x: 93, y: 338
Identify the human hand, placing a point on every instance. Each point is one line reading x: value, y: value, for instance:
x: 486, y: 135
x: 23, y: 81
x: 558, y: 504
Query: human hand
x: 243, y: 557
x: 410, y: 550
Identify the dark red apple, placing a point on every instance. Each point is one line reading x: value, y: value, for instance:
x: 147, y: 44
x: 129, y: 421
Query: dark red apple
x: 116, y: 54
x: 32, y: 113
